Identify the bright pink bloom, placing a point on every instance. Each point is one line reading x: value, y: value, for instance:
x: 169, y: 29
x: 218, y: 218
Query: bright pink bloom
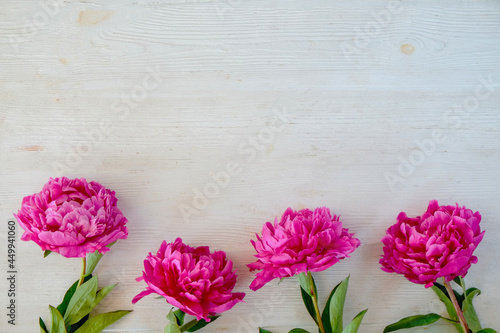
x: 196, y: 281
x: 302, y: 241
x: 72, y: 217
x: 438, y: 244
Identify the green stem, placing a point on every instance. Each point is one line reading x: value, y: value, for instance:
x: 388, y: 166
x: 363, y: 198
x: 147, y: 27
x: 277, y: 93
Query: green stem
x: 188, y: 325
x: 460, y: 314
x: 316, y: 307
x: 84, y: 267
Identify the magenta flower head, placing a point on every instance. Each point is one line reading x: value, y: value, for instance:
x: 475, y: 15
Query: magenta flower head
x: 302, y: 241
x: 196, y: 281
x: 440, y: 243
x: 72, y: 217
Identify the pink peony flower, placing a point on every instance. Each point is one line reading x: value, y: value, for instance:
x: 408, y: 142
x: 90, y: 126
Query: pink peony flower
x: 438, y: 244
x: 72, y: 217
x: 196, y: 281
x: 302, y: 241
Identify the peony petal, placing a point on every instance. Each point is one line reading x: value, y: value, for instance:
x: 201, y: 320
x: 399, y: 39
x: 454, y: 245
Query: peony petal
x: 68, y: 217
x: 302, y: 240
x: 141, y: 295
x: 195, y: 280
x: 449, y: 234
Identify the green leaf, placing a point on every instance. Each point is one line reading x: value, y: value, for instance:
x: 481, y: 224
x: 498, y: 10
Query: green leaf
x: 309, y: 304
x: 43, y: 328
x: 446, y: 300
x: 171, y: 316
x: 92, y: 261
x: 337, y: 306
x: 261, y: 330
x: 172, y: 328
x: 74, y: 327
x: 470, y: 290
x: 81, y: 302
x: 458, y: 296
x: 466, y: 291
x: 353, y: 326
x: 298, y: 330
x: 460, y: 281
x: 179, y: 314
x: 99, y: 322
x: 455, y: 323
x: 413, y: 321
x: 101, y: 294
x: 487, y: 330
x: 458, y: 326
x: 325, y: 316
x: 306, y: 283
x: 67, y: 296
x: 470, y: 313
x: 199, y: 324
x: 57, y: 321
x: 46, y: 253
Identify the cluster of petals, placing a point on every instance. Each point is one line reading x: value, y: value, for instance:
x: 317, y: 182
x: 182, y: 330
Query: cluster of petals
x: 194, y: 280
x: 72, y: 217
x: 440, y: 243
x: 302, y: 241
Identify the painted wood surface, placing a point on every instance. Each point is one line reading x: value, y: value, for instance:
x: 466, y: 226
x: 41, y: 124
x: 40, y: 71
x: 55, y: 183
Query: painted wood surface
x: 367, y: 107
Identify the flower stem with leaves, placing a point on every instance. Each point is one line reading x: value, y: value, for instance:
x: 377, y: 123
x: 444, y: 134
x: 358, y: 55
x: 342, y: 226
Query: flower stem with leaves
x: 73, y: 314
x: 84, y: 270
x: 331, y: 319
x: 459, y: 306
x: 458, y: 310
x: 176, y: 322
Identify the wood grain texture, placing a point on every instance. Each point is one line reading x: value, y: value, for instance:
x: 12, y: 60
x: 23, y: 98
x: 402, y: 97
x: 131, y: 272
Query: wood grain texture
x: 154, y: 98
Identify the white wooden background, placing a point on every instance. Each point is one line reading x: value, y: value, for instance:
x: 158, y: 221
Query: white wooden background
x: 371, y: 91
